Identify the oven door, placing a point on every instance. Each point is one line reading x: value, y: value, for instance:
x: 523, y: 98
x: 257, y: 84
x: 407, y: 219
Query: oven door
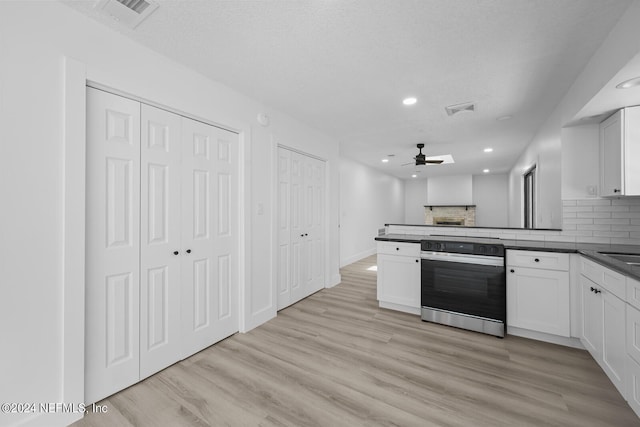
x: 468, y: 284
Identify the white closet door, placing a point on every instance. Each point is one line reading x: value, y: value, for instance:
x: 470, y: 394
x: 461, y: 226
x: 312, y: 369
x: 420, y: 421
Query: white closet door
x: 210, y: 235
x: 301, y: 226
x: 284, y: 228
x: 160, y: 252
x: 112, y: 245
x: 298, y: 228
x: 314, y: 225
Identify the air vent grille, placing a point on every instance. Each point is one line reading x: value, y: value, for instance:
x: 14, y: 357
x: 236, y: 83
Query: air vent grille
x: 137, y: 6
x: 459, y: 108
x: 127, y: 12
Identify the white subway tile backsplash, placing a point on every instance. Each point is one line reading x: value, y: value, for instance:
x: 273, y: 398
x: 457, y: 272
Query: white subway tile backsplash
x: 635, y: 215
x: 570, y: 226
x: 618, y: 221
x: 592, y: 227
x: 568, y: 203
x: 578, y: 221
x: 625, y: 228
x: 621, y: 208
x: 623, y: 241
x: 569, y: 214
x: 570, y: 239
x: 593, y: 214
x: 577, y: 233
x: 593, y: 202
x: 579, y: 208
x: 620, y: 234
x: 626, y: 201
x: 605, y: 240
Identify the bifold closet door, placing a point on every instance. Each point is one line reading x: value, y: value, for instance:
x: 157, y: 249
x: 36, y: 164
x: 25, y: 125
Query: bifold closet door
x: 160, y: 240
x: 112, y: 244
x: 209, y: 235
x: 301, y: 226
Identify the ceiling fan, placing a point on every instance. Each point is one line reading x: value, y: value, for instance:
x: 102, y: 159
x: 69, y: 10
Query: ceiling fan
x: 421, y: 159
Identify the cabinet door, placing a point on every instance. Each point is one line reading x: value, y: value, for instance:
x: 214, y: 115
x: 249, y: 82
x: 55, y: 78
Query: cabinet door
x: 611, y: 155
x: 591, y: 318
x: 614, y: 348
x: 160, y: 330
x: 399, y: 280
x: 209, y: 235
x: 113, y: 244
x: 633, y: 333
x: 538, y: 300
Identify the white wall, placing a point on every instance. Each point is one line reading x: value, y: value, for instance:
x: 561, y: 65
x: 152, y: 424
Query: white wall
x: 490, y: 198
x: 580, y: 161
x: 620, y: 46
x: 449, y: 190
x: 415, y: 198
x: 34, y: 39
x: 368, y: 200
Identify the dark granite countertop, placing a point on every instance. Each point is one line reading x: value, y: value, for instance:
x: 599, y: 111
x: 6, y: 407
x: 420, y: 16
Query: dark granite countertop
x: 593, y: 251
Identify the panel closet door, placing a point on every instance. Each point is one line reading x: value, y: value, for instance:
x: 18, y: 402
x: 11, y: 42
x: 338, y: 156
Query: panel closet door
x: 301, y: 226
x: 209, y: 235
x: 112, y: 244
x: 160, y: 251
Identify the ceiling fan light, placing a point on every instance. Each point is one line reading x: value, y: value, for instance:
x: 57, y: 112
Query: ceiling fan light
x: 409, y: 101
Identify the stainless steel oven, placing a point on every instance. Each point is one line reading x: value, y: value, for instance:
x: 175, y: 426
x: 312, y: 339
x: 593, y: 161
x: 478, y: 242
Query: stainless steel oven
x: 464, y: 285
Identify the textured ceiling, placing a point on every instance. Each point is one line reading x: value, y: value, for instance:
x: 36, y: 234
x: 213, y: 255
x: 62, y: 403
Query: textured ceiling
x: 344, y: 66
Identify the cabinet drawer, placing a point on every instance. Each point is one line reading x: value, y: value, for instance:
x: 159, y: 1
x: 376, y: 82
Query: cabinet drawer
x: 633, y: 293
x: 399, y: 248
x: 610, y: 280
x: 536, y: 259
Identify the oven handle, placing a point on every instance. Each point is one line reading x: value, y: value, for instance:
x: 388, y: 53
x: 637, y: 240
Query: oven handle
x: 463, y: 258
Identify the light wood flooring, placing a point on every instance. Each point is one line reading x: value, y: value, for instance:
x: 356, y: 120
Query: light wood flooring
x: 336, y: 359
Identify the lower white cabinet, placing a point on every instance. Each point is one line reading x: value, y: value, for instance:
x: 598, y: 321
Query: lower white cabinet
x: 538, y: 294
x: 399, y: 277
x: 538, y: 300
x: 603, y: 330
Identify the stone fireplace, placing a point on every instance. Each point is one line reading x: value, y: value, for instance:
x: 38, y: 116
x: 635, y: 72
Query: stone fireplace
x: 455, y: 215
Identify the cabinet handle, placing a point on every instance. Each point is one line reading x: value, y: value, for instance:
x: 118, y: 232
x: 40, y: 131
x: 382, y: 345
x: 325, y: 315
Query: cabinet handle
x: 176, y: 252
x: 616, y: 190
x: 306, y: 234
x: 302, y: 235
x: 537, y: 260
x: 188, y: 251
x: 597, y: 291
x: 397, y: 249
x: 417, y: 260
x: 512, y: 270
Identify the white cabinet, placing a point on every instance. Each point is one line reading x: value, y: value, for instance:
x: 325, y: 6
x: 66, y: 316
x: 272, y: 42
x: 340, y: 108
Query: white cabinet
x: 603, y: 322
x: 162, y: 240
x: 619, y: 149
x: 399, y: 276
x: 538, y: 294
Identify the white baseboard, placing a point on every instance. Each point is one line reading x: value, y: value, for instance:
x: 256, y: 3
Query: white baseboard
x: 541, y: 336
x: 399, y: 307
x: 357, y: 257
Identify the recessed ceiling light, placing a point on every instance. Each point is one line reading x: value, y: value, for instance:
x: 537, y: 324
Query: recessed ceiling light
x: 629, y: 83
x: 486, y: 170
x: 385, y: 160
x: 488, y: 150
x: 503, y: 118
x: 409, y: 101
x: 414, y: 175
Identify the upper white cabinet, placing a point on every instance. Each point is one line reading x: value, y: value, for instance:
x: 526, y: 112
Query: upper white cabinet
x: 399, y: 276
x: 538, y: 291
x: 619, y: 146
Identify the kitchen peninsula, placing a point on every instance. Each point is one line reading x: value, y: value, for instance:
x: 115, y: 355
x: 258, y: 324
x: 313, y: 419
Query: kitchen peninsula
x: 558, y: 289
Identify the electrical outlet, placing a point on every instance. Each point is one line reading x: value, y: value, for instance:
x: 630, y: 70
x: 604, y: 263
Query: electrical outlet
x: 591, y: 190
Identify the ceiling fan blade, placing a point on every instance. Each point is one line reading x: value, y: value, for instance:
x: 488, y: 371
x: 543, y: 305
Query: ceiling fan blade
x: 434, y: 161
x: 406, y: 164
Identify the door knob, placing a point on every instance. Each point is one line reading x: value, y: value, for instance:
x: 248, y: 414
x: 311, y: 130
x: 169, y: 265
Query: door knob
x: 176, y: 252
x: 188, y: 251
x: 512, y: 270
x: 536, y: 260
x: 417, y: 260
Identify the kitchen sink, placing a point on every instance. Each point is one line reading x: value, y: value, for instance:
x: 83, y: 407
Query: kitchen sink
x: 631, y: 259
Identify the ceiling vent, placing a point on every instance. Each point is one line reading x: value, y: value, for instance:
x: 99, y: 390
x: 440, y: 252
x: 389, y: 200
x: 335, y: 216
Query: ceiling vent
x: 128, y: 12
x: 459, y: 108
